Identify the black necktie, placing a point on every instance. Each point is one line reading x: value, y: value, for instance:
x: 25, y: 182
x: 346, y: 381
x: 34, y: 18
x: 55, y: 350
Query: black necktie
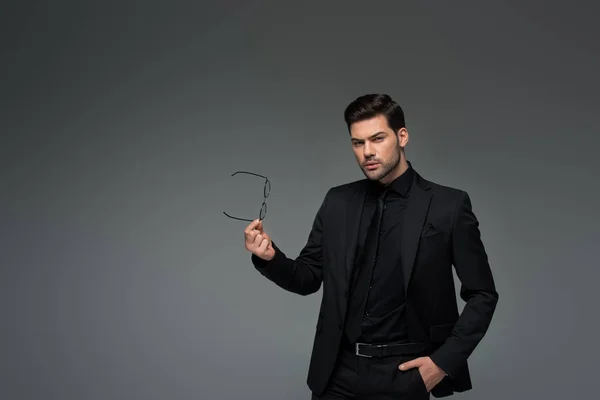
x: 360, y: 290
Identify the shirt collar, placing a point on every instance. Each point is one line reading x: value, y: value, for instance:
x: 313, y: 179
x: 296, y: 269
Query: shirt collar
x: 401, y: 184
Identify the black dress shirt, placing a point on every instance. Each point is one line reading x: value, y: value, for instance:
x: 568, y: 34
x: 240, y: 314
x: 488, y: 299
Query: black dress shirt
x: 384, y: 320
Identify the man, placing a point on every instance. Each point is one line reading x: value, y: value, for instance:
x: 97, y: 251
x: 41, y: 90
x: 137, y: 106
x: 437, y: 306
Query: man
x: 383, y: 249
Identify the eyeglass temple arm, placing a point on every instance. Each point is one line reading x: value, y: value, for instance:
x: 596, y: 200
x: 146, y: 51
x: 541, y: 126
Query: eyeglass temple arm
x: 241, y: 219
x: 249, y: 173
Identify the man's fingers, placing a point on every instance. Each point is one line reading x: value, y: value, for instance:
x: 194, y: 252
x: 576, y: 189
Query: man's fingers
x: 410, y: 364
x: 251, y: 231
x: 252, y: 225
x: 250, y: 238
x: 262, y: 248
x: 257, y: 241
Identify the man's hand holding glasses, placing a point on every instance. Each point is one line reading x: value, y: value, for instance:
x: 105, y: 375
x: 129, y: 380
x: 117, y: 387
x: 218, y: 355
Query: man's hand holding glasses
x: 257, y: 241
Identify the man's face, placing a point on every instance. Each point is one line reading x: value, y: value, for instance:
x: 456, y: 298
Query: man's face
x: 377, y: 148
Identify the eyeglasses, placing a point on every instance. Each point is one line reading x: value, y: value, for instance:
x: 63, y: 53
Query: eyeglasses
x: 266, y: 191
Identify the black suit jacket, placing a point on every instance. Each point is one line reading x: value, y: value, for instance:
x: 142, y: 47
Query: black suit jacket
x: 440, y: 231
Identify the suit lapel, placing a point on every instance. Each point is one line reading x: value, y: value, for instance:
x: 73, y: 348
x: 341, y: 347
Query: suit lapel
x: 416, y: 211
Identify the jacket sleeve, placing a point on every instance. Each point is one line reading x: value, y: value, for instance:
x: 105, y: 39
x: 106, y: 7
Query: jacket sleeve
x: 477, y: 290
x: 302, y: 275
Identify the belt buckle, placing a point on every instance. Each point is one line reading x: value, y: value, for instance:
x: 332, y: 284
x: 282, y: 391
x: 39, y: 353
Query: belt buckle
x: 357, y: 351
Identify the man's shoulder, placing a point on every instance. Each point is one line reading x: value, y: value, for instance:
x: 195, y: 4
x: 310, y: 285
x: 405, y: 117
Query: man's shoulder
x: 446, y: 197
x: 445, y: 190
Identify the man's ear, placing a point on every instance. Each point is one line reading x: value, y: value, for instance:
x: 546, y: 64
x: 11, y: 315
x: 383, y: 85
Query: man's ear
x: 402, y: 137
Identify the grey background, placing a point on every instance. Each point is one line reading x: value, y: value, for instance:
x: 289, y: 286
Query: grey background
x: 121, y: 122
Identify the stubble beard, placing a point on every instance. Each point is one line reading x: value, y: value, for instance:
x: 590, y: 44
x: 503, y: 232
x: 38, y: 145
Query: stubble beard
x: 384, y: 169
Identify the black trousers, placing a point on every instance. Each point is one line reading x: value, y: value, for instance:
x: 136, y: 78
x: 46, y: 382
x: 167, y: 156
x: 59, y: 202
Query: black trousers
x: 360, y: 378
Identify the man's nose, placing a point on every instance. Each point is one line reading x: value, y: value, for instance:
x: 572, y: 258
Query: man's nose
x: 368, y: 151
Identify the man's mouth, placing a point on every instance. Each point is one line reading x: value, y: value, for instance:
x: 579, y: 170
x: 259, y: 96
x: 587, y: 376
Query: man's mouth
x: 371, y: 165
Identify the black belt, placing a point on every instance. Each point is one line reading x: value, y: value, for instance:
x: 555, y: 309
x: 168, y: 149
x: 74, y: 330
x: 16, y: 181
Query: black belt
x: 392, y: 349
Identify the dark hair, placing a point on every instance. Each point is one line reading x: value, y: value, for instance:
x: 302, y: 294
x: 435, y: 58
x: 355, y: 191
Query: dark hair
x: 371, y: 105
